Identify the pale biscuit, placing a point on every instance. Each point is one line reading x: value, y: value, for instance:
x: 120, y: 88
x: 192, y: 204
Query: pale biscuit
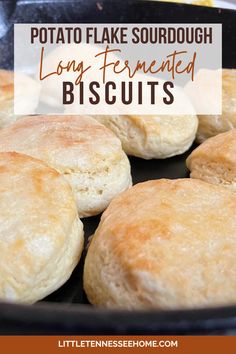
x: 6, y: 98
x: 165, y: 244
x: 211, y: 125
x: 214, y: 161
x: 26, y: 84
x: 41, y: 237
x: 153, y: 137
x: 88, y: 154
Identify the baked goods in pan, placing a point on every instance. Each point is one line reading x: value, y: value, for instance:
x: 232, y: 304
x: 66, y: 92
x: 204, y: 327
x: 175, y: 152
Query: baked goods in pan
x: 41, y: 237
x: 165, y: 244
x: 214, y: 161
x: 211, y: 125
x: 88, y: 154
x: 152, y: 137
x: 7, y: 115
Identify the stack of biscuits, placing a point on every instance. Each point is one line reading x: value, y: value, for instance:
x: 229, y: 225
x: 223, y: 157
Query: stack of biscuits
x: 162, y: 244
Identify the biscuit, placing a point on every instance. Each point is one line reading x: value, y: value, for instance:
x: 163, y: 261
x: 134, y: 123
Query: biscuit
x: 153, y: 137
x: 211, y: 125
x: 214, y: 161
x: 88, y: 154
x: 165, y: 244
x: 7, y: 115
x: 41, y: 237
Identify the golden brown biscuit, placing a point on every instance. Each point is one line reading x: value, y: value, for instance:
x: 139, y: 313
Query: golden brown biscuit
x: 88, y: 154
x: 6, y: 97
x: 214, y: 161
x: 165, y: 244
x: 41, y: 237
x: 152, y: 137
x: 211, y: 125
x: 7, y: 115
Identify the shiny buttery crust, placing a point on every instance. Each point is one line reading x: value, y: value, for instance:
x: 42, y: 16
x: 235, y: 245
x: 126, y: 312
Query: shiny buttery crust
x: 165, y: 244
x: 88, y: 154
x: 7, y: 115
x: 214, y: 161
x: 41, y: 237
x: 152, y: 137
x: 211, y: 125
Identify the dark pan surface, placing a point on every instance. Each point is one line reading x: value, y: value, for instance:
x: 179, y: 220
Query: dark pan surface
x: 67, y: 311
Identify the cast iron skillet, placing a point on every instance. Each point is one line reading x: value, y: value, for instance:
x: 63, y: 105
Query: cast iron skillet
x: 67, y: 310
